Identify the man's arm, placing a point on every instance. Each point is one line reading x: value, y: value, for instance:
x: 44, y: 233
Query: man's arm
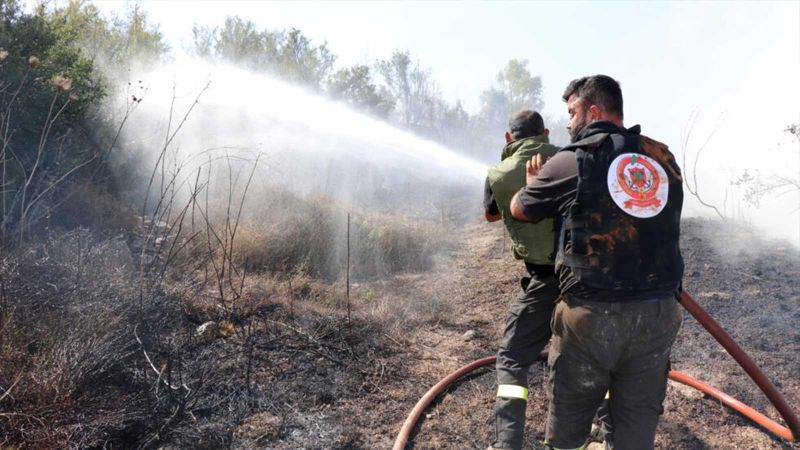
x: 549, y: 186
x: 517, y: 211
x: 490, y: 210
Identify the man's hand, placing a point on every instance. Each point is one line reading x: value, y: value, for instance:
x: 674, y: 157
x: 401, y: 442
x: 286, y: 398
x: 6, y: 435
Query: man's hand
x: 533, y: 167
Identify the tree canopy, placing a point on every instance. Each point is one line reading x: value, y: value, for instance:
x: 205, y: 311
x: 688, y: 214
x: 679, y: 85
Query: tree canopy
x: 398, y: 89
x: 287, y: 54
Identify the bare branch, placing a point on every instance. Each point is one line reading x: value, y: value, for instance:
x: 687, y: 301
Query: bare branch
x: 695, y: 189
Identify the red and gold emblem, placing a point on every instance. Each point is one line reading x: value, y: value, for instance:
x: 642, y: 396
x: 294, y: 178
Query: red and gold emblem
x: 638, y: 185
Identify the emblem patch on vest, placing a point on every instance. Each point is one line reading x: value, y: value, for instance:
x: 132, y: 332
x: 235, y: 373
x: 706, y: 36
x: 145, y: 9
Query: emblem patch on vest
x: 638, y: 185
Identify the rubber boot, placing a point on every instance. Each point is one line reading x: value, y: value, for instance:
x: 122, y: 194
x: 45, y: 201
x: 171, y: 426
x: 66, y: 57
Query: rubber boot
x: 509, y: 423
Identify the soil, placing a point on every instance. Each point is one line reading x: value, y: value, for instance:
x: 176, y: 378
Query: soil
x: 407, y: 332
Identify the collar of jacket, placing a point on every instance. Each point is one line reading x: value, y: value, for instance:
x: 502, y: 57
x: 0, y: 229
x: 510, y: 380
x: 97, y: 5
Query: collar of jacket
x: 605, y: 127
x: 512, y: 147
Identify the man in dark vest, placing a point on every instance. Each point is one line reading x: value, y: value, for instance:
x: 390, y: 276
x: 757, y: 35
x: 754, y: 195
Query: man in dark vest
x: 617, y: 196
x: 527, y: 328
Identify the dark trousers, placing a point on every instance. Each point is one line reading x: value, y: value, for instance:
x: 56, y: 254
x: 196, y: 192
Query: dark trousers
x: 622, y: 348
x: 526, y: 334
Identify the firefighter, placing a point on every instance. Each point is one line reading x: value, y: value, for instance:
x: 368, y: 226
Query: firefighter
x: 527, y: 328
x: 617, y: 196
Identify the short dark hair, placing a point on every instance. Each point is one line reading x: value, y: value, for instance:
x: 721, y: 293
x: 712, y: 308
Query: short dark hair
x: 525, y: 124
x: 597, y: 90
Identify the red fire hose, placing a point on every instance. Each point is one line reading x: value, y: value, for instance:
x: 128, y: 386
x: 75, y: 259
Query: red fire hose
x: 793, y: 431
x: 789, y: 433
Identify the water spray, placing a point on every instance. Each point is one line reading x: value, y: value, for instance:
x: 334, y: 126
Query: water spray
x: 316, y: 142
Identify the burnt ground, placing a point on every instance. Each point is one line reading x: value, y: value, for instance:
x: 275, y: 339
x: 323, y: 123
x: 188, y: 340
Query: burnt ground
x: 351, y: 387
x: 748, y: 284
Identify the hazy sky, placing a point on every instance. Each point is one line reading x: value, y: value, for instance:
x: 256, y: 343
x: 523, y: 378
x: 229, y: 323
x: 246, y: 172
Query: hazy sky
x: 673, y: 58
x: 735, y: 64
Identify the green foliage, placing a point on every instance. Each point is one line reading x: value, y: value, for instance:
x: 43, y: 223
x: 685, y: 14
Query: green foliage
x: 47, y: 86
x: 421, y: 106
x: 240, y: 42
x: 398, y: 76
x: 523, y: 90
x: 517, y: 90
x: 405, y: 92
x: 134, y: 38
x: 121, y: 42
x: 33, y: 35
x: 287, y: 54
x: 354, y: 85
x: 50, y: 89
x: 301, y: 62
x: 495, y: 110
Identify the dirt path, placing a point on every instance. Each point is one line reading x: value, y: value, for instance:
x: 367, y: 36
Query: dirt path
x: 463, y: 296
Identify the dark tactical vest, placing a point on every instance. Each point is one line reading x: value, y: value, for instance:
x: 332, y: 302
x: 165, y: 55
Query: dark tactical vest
x: 607, y: 248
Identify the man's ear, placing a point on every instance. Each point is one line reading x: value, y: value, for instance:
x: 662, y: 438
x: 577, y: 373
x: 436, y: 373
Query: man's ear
x: 546, y: 132
x: 508, y: 138
x: 595, y: 113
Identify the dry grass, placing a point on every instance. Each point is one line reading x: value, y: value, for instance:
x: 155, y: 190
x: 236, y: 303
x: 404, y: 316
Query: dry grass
x: 275, y: 231
x: 312, y: 239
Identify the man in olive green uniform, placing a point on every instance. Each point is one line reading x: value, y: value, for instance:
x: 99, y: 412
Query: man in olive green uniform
x: 527, y: 328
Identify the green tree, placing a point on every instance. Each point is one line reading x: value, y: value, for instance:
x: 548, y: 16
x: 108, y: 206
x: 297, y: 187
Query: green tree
x: 522, y: 90
x: 289, y: 55
x: 36, y: 53
x: 240, y: 42
x: 300, y: 61
x: 495, y: 109
x: 515, y: 89
x: 396, y: 76
x: 203, y: 41
x: 135, y: 39
x: 354, y: 85
x: 123, y: 42
x: 413, y: 89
